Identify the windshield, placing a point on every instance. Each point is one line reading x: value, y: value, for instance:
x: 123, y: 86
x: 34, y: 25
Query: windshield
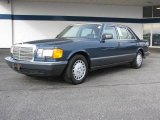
x: 89, y: 31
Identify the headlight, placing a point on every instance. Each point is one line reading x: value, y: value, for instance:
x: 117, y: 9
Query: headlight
x: 55, y: 53
x: 41, y: 53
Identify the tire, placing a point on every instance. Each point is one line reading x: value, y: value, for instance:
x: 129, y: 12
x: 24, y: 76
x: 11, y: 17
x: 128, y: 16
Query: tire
x: 76, y: 70
x: 138, y: 61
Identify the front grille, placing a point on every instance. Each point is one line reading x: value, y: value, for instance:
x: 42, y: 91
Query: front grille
x: 23, y: 52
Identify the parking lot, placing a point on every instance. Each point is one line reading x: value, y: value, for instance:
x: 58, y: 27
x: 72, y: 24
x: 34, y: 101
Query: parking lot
x: 108, y: 94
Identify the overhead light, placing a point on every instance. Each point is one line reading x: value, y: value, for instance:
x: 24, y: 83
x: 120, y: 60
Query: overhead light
x: 158, y: 8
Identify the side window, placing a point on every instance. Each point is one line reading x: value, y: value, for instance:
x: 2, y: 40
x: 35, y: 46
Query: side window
x: 110, y: 30
x: 91, y: 32
x: 88, y: 33
x: 124, y: 34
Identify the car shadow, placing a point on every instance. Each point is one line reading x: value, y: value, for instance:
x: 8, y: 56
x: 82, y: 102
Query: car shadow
x: 109, y: 70
x: 48, y: 80
x: 92, y: 74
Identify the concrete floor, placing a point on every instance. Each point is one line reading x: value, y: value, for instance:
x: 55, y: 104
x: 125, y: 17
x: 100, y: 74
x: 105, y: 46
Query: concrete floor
x: 108, y: 94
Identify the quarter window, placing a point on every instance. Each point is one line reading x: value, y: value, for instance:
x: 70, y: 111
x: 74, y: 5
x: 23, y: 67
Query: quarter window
x: 124, y: 33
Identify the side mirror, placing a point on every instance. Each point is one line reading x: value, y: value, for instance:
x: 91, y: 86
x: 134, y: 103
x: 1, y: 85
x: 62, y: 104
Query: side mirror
x: 107, y: 36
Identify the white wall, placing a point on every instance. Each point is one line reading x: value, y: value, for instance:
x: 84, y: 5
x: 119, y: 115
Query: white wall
x: 28, y: 30
x: 72, y: 9
x: 5, y: 26
x: 35, y: 30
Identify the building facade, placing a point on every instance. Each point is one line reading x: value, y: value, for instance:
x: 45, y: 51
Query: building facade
x: 23, y: 21
x: 151, y: 30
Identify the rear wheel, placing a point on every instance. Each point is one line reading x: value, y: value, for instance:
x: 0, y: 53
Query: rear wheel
x: 76, y: 70
x: 138, y: 61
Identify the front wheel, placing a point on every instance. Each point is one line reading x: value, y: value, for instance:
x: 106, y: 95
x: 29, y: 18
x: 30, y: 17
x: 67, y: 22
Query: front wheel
x: 76, y: 70
x: 138, y: 61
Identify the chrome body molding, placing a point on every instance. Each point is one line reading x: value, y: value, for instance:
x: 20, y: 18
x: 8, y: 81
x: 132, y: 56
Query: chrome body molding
x: 116, y: 56
x: 34, y: 62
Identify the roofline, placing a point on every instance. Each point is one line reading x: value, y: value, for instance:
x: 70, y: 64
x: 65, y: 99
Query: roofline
x: 101, y: 23
x: 87, y: 23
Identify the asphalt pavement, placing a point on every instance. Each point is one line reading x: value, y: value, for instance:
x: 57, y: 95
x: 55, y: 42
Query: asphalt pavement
x: 117, y: 93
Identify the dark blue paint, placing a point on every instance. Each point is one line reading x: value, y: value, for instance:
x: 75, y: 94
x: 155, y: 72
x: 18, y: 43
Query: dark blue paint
x: 100, y: 53
x: 95, y: 48
x: 151, y: 20
x: 78, y: 18
x: 6, y: 16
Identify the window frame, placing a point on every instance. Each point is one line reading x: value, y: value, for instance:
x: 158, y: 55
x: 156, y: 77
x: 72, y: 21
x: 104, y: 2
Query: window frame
x: 144, y: 12
x: 155, y: 11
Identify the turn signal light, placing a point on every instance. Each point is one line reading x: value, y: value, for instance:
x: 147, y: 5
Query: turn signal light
x: 57, y: 53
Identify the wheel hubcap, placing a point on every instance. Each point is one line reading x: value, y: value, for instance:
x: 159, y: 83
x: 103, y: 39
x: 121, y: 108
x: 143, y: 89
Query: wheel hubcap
x: 139, y: 59
x: 79, y: 70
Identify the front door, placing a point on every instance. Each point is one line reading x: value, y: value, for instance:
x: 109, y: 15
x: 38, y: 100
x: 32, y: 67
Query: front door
x: 107, y: 51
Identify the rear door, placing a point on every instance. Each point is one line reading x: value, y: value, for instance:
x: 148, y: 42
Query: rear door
x: 127, y: 44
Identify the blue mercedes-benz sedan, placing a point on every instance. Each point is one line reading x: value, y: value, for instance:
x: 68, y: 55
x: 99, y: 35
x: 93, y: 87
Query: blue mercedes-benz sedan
x: 78, y: 49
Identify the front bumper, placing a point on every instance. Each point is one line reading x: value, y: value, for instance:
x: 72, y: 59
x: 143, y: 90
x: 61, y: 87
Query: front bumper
x: 37, y: 68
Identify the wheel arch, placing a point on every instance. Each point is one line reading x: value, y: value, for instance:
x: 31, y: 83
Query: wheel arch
x: 141, y: 50
x: 82, y: 52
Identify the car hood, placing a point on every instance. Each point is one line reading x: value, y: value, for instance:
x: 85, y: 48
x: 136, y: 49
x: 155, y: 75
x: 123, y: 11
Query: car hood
x: 51, y: 42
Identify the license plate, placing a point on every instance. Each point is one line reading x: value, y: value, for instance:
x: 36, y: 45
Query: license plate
x: 16, y: 66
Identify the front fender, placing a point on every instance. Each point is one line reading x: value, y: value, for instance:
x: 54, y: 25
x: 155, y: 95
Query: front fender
x: 140, y: 49
x: 78, y: 52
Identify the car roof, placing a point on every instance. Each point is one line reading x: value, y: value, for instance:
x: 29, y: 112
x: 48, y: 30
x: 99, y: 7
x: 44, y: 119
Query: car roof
x: 88, y: 23
x: 108, y: 24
